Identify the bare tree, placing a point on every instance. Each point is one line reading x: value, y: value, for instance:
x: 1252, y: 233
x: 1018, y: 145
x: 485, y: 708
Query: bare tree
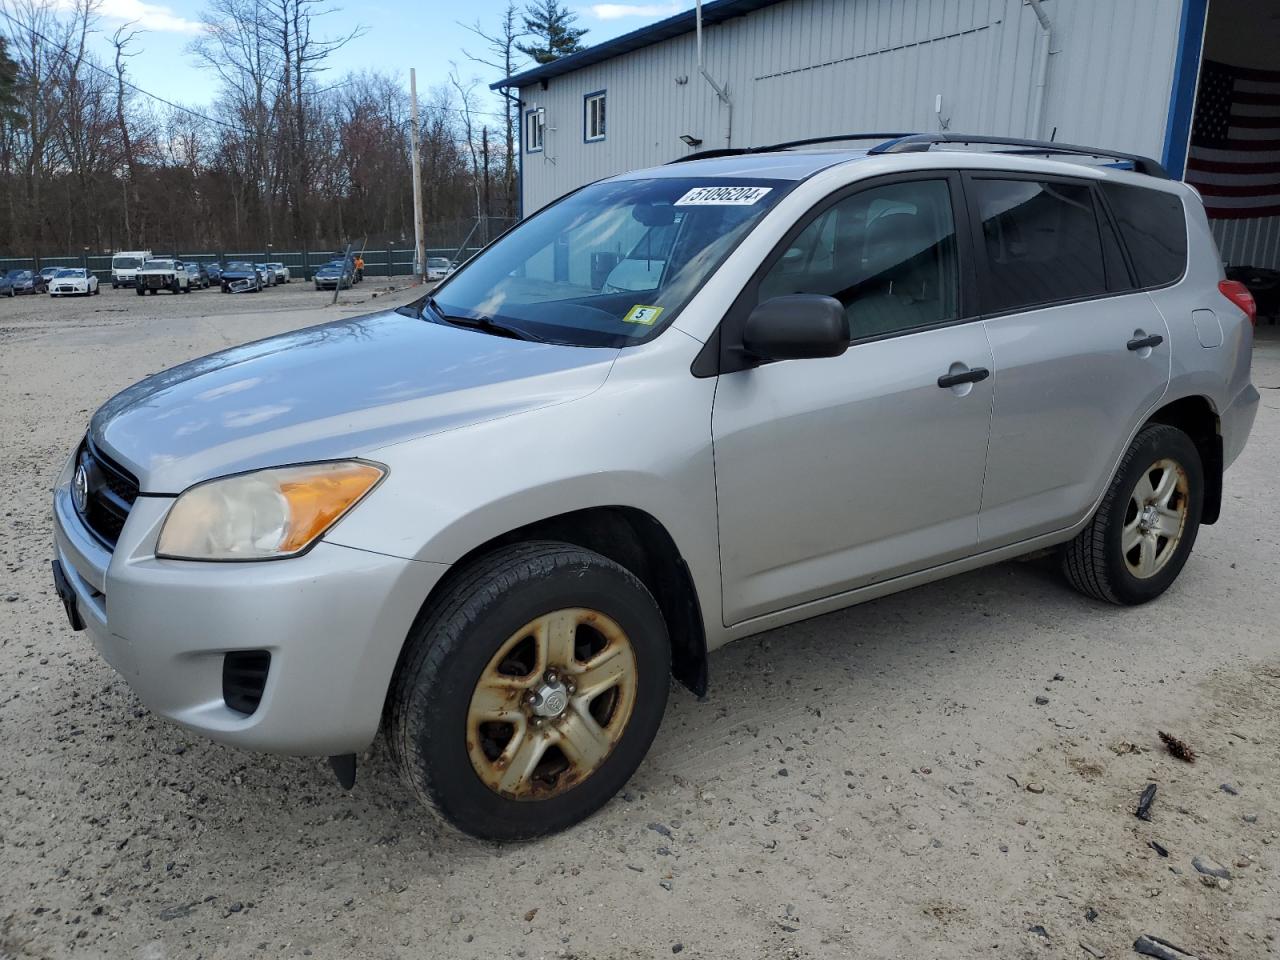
x: 121, y: 40
x: 502, y: 53
x: 467, y: 96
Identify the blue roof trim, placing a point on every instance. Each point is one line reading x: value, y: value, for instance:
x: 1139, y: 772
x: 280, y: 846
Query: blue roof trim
x: 714, y: 11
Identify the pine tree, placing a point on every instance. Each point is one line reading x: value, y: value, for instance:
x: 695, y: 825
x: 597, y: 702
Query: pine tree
x: 551, y: 26
x: 8, y: 85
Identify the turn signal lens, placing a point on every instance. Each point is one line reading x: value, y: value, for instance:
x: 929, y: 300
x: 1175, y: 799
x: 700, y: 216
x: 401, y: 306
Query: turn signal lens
x: 263, y: 515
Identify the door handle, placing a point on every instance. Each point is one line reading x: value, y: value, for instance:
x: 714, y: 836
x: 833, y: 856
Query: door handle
x: 972, y: 375
x: 1137, y: 343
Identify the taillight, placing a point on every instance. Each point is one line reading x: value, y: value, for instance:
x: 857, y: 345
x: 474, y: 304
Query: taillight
x: 1239, y: 294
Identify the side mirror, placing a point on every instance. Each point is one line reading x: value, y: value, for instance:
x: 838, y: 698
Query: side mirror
x: 797, y: 327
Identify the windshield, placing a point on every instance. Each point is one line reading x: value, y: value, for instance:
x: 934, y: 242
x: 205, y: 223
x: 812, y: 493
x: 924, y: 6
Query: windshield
x: 69, y: 273
x: 126, y: 263
x: 239, y: 265
x: 159, y: 265
x: 609, y: 265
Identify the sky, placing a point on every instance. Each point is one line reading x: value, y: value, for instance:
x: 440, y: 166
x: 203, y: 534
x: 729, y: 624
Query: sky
x: 423, y: 34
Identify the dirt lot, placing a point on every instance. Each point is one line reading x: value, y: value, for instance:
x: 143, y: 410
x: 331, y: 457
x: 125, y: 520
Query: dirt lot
x: 879, y: 783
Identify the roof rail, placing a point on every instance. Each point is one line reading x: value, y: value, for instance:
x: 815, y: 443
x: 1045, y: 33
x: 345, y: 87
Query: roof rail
x: 923, y: 141
x: 787, y: 145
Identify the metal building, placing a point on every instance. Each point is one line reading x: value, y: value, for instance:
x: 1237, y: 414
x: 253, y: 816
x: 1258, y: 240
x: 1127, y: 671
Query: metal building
x: 1117, y: 73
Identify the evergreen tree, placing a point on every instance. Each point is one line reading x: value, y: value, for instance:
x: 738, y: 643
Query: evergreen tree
x: 552, y: 29
x: 8, y: 85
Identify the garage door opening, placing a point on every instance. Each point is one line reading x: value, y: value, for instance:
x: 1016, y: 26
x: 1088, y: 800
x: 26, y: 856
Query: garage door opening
x: 1233, y: 148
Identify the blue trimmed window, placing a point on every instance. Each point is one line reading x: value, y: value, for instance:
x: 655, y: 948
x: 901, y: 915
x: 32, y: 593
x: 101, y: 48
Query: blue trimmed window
x: 534, y: 124
x: 593, y: 116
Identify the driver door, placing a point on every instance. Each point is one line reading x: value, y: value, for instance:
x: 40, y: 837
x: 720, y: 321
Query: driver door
x: 833, y: 474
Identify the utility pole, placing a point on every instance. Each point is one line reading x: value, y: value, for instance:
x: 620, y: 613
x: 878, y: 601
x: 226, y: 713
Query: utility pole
x: 484, y: 141
x: 419, y: 229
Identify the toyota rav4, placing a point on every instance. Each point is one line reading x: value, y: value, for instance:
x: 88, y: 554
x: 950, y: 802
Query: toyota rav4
x: 675, y: 408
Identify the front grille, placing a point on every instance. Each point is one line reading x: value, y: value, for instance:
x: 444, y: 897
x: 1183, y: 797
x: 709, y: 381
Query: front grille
x: 111, y: 492
x: 244, y: 677
x: 155, y: 282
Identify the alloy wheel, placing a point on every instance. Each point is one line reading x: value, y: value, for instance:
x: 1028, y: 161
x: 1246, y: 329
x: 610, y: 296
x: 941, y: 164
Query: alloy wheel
x: 551, y: 704
x: 1155, y: 518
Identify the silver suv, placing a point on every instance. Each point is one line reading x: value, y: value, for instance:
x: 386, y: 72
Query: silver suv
x: 676, y: 408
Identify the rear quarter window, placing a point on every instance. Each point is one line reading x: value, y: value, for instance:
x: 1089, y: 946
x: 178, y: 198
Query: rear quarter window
x: 1154, y: 227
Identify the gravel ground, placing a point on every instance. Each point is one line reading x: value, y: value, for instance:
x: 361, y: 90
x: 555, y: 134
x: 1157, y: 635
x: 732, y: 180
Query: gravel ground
x: 883, y: 782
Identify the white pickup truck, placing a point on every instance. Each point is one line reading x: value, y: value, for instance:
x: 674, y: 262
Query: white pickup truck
x: 168, y: 275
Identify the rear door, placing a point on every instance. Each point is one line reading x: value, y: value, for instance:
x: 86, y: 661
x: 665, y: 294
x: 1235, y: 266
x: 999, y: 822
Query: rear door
x: 835, y: 473
x: 1080, y: 357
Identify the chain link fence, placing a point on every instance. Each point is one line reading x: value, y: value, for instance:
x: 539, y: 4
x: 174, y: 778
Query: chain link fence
x: 380, y: 260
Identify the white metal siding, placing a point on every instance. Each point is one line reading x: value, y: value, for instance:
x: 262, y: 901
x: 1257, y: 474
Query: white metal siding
x: 1253, y: 242
x: 812, y: 67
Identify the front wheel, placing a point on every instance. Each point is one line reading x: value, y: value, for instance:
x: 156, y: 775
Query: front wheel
x: 1136, y: 544
x: 529, y: 693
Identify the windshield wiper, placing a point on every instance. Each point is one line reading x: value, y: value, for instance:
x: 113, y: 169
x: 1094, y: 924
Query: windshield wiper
x: 489, y: 325
x: 485, y: 324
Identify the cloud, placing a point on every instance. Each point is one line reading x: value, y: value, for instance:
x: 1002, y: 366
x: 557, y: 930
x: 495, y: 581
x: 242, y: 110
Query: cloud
x: 149, y: 16
x: 616, y: 11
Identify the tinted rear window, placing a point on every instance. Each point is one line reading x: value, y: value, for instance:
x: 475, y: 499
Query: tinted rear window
x: 1042, y: 243
x: 1154, y: 228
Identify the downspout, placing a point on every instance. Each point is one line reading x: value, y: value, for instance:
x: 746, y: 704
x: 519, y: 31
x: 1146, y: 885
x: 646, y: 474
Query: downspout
x: 1042, y: 70
x: 721, y: 92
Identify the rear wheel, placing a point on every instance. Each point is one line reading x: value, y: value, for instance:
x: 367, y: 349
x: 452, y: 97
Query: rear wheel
x: 530, y: 691
x: 139, y: 291
x: 1139, y: 540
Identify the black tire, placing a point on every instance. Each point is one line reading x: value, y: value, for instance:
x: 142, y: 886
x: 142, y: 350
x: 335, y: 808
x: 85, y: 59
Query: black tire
x: 139, y: 291
x: 452, y: 643
x: 1094, y: 561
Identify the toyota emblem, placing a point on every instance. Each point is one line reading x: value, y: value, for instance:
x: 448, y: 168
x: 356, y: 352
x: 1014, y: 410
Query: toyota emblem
x: 80, y: 488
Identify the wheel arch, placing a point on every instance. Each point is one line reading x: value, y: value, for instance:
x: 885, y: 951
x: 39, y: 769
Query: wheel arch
x: 1197, y: 417
x: 633, y: 539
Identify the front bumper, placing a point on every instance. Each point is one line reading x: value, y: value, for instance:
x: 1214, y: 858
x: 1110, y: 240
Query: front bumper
x: 334, y: 621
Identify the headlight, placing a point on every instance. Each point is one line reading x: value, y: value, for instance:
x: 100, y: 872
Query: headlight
x: 266, y: 514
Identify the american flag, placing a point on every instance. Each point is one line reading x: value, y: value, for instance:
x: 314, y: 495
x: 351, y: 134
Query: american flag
x: 1235, y: 141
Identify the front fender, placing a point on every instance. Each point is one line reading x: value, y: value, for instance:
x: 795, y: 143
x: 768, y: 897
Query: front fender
x: 643, y: 440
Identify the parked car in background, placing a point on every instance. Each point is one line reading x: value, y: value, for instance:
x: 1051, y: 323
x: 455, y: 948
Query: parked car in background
x: 241, y: 277
x: 213, y: 270
x: 6, y: 285
x: 335, y: 273
x: 27, y: 281
x: 73, y: 281
x: 267, y: 274
x: 438, y: 268
x: 48, y: 273
x: 199, y: 275
x: 168, y: 275
x: 125, y: 266
x: 281, y: 272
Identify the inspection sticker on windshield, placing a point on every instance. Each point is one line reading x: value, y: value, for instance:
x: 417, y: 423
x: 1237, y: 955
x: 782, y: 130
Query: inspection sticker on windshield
x: 641, y: 314
x: 722, y: 196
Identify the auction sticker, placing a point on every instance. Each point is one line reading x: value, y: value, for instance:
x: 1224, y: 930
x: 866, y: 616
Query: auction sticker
x: 722, y: 196
x: 642, y: 314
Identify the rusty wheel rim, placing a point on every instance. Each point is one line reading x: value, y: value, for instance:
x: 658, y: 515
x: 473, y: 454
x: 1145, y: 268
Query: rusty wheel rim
x: 551, y: 704
x: 1155, y: 518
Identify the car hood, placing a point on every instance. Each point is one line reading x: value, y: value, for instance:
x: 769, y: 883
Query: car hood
x: 337, y: 390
